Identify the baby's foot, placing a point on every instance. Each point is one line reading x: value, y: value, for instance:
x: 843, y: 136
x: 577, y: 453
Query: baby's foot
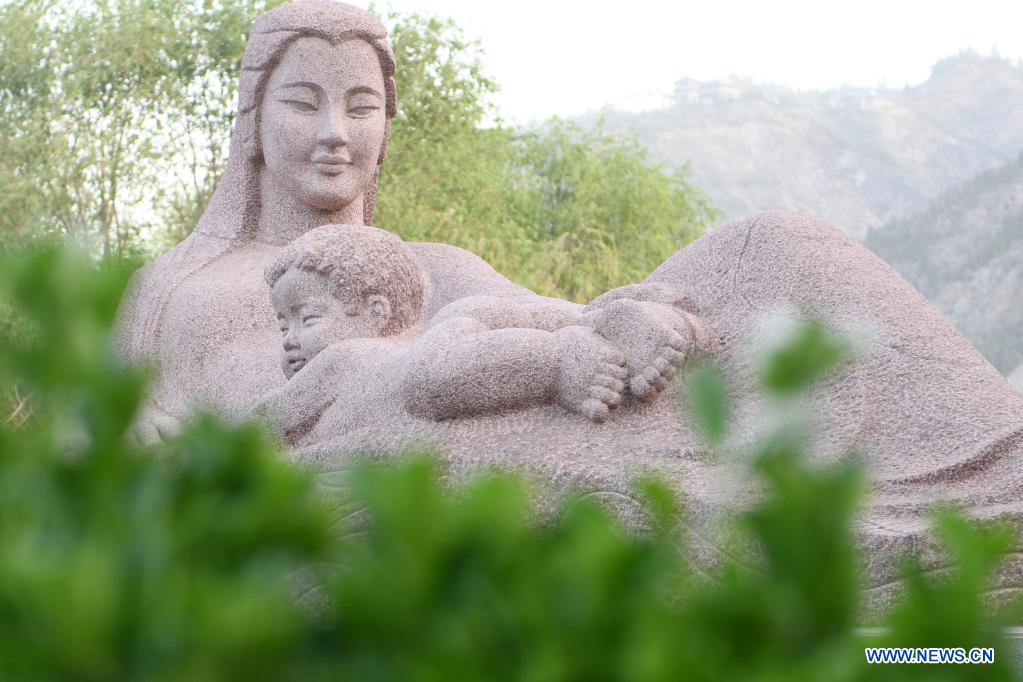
x: 591, y: 374
x: 654, y: 338
x: 651, y: 379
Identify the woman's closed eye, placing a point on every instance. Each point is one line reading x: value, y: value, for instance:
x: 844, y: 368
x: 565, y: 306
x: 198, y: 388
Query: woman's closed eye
x: 363, y: 111
x: 310, y: 319
x: 300, y: 105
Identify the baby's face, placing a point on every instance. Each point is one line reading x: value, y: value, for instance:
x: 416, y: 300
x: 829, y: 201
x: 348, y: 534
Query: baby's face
x: 311, y: 319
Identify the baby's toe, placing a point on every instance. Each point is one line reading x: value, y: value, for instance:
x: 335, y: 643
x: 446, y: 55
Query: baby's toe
x: 595, y: 410
x: 605, y: 395
x: 611, y: 382
x: 674, y: 357
x: 676, y: 341
x: 616, y: 371
x: 641, y: 388
x: 653, y: 377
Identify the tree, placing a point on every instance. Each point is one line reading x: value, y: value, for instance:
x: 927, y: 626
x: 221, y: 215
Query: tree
x: 565, y: 211
x: 604, y: 214
x: 447, y: 178
x: 115, y: 115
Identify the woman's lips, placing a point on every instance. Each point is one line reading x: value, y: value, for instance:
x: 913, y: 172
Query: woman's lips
x: 331, y: 165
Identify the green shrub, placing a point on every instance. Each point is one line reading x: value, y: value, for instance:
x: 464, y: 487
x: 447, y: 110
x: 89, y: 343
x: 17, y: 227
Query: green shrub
x: 211, y: 559
x: 118, y: 564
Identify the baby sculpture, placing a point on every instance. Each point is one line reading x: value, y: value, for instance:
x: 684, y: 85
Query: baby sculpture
x: 344, y: 297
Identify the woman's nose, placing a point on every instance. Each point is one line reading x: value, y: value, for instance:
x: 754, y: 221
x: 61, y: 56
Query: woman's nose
x: 333, y: 129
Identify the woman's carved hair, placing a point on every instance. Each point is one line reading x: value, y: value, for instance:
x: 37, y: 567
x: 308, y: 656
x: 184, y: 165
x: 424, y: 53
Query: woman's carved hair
x: 358, y: 261
x: 271, y: 36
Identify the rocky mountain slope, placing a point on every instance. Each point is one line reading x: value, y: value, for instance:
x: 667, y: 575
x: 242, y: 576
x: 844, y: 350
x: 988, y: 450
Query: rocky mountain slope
x: 965, y: 254
x: 1016, y: 379
x: 858, y: 157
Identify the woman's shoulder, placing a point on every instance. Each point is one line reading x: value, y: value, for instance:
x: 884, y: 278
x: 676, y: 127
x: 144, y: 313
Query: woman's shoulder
x: 448, y: 265
x: 453, y: 273
x: 152, y: 285
x: 445, y: 255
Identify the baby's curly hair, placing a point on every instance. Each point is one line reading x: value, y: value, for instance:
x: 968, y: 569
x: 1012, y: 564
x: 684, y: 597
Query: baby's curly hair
x: 358, y: 261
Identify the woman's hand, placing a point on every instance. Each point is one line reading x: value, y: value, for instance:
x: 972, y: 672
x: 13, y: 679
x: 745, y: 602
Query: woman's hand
x: 645, y: 293
x: 154, y: 426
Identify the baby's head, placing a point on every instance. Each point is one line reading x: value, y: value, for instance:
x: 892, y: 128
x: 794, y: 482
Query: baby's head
x: 340, y: 282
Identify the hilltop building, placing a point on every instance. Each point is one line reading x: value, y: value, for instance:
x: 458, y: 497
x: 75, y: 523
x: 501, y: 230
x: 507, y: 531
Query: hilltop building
x: 691, y: 91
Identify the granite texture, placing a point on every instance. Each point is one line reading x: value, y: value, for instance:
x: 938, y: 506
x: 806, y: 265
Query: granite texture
x: 348, y: 301
x: 425, y: 345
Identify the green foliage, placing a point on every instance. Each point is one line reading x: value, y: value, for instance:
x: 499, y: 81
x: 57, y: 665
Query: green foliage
x: 935, y: 613
x: 184, y: 563
x: 465, y: 587
x: 565, y: 211
x: 447, y: 178
x: 604, y: 213
x: 811, y: 352
x: 115, y: 116
x: 118, y: 564
x: 708, y: 398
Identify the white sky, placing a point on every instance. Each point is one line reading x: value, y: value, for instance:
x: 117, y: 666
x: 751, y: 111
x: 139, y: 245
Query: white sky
x: 560, y: 57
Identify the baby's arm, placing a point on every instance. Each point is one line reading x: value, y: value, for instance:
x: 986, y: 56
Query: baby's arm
x: 481, y: 355
x: 350, y: 365
x: 300, y: 401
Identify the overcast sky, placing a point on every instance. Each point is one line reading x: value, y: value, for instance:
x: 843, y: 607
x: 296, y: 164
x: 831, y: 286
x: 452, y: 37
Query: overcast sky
x: 555, y: 57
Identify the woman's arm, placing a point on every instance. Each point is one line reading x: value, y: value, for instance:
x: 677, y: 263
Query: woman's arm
x: 455, y: 274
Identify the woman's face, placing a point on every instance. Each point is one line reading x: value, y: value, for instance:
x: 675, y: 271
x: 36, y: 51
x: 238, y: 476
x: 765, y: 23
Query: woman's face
x: 322, y: 121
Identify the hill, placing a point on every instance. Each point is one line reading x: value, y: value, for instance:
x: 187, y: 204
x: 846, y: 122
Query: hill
x: 858, y: 157
x: 965, y: 254
x: 1016, y: 379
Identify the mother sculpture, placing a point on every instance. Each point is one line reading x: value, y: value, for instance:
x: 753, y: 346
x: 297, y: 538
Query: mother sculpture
x: 317, y: 92
x: 934, y: 421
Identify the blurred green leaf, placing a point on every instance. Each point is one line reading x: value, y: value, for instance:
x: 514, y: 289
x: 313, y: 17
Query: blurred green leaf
x: 121, y: 564
x: 708, y: 402
x: 811, y: 352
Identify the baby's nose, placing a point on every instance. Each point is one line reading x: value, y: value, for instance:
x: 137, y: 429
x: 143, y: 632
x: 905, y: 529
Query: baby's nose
x: 290, y: 340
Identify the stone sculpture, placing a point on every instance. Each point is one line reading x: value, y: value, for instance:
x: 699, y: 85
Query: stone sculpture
x: 490, y: 374
x: 316, y: 95
x: 346, y: 297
